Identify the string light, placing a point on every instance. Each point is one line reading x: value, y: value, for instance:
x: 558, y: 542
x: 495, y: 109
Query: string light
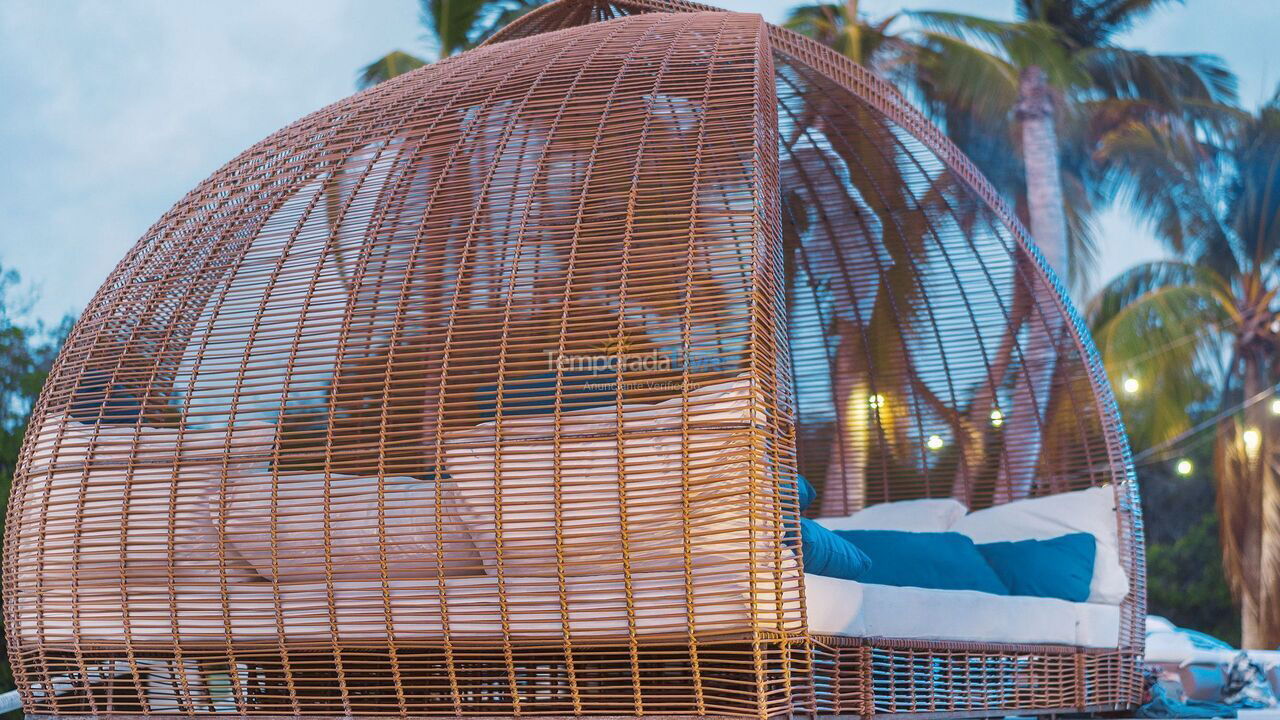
x: 934, y: 443
x: 997, y: 418
x: 1131, y: 386
x: 876, y: 401
x: 1184, y: 467
x: 1275, y: 407
x: 1252, y: 440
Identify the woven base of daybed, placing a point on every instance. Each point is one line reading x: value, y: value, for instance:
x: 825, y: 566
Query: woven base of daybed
x: 874, y: 677
x: 852, y: 677
x: 723, y: 676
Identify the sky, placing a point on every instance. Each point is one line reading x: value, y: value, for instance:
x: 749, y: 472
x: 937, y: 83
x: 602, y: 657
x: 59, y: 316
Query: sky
x: 110, y: 111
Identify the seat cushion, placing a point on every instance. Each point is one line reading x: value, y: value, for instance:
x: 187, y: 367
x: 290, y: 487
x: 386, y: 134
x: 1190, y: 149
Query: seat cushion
x: 707, y: 598
x: 843, y: 607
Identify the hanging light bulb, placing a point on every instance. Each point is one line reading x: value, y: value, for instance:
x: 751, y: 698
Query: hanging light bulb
x: 997, y: 418
x: 934, y: 443
x: 1252, y: 440
x: 876, y: 401
x: 1130, y: 385
x: 1184, y: 467
x: 1275, y: 407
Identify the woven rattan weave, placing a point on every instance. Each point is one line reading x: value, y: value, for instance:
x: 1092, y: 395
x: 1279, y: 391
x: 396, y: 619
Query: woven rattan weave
x: 484, y: 392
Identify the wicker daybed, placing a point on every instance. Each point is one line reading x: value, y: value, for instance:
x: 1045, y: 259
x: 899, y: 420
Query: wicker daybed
x: 486, y: 392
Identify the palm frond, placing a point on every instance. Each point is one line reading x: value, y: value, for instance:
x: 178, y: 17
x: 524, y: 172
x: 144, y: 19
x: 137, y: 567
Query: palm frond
x: 396, y: 62
x: 451, y: 23
x: 1165, y: 80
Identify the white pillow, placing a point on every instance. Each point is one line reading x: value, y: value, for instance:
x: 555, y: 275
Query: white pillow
x: 589, y: 456
x: 289, y: 513
x: 1092, y: 511
x: 138, y: 501
x: 925, y: 515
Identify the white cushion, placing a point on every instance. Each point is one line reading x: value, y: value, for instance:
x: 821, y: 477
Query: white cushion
x: 118, y: 499
x: 926, y: 515
x: 721, y: 599
x: 1092, y: 511
x: 567, y: 485
x: 278, y: 526
x: 848, y: 608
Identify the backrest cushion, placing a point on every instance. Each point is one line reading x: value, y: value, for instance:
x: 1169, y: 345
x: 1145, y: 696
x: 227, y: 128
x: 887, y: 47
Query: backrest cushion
x: 281, y: 525
x: 139, y: 498
x: 1090, y: 511
x: 538, y: 502
x: 926, y: 515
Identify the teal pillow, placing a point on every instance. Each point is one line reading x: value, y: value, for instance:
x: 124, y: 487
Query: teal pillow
x: 1061, y: 567
x: 536, y: 394
x: 826, y: 553
x: 937, y: 560
x: 807, y: 493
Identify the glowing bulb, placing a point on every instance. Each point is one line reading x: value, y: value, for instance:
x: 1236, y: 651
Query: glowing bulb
x: 934, y: 442
x: 1184, y: 467
x: 1275, y: 407
x: 876, y: 401
x: 1252, y: 440
x: 997, y: 418
x: 1130, y: 385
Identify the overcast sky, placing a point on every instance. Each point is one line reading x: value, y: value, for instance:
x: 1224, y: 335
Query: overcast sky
x: 111, y: 111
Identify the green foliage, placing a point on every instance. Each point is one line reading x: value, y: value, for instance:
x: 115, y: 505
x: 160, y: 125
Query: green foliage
x: 27, y: 351
x: 1185, y: 582
x: 966, y: 73
x: 452, y: 26
x: 396, y: 62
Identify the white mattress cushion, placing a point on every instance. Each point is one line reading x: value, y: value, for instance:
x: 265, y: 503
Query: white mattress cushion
x: 722, y: 600
x: 924, y: 515
x: 1097, y: 624
x: 845, y: 607
x: 565, y: 507
x: 278, y: 524
x: 117, y: 498
x: 1092, y: 511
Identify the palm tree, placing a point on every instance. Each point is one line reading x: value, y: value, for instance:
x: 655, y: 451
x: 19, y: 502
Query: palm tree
x: 452, y: 26
x: 1048, y: 87
x: 1210, y: 316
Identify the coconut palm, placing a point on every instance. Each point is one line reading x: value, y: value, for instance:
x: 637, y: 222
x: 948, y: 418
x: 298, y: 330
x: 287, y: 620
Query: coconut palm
x: 1210, y: 316
x: 452, y: 26
x: 1048, y: 87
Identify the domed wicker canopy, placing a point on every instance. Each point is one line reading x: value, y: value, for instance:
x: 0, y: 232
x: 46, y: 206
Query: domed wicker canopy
x: 485, y: 391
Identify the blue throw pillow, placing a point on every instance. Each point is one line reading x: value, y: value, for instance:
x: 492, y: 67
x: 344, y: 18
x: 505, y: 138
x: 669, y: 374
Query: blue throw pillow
x: 536, y: 394
x: 941, y: 560
x: 826, y: 553
x: 807, y: 493
x: 1061, y: 567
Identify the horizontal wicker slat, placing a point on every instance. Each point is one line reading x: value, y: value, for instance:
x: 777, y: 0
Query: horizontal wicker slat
x: 484, y: 392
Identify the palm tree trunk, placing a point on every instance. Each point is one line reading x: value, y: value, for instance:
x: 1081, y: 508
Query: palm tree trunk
x: 1025, y: 417
x: 1044, y: 180
x: 1253, y: 597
